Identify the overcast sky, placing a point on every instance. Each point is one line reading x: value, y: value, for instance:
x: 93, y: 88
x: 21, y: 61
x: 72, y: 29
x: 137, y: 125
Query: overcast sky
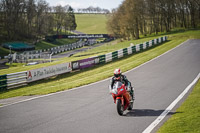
x: 107, y: 4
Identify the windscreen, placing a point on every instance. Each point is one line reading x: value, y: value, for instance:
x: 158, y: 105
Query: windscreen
x: 117, y: 85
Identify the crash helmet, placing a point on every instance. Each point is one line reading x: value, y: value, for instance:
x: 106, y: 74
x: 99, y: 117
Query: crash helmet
x: 117, y: 73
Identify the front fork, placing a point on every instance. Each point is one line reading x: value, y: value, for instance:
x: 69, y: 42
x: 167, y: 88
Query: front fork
x: 122, y: 100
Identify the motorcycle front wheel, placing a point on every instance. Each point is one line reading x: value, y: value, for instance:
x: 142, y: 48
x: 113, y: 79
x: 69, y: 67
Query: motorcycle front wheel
x: 120, y: 108
x: 130, y: 106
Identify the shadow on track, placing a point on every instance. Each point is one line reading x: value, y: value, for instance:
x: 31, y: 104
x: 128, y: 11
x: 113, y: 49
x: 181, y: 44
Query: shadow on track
x: 146, y: 112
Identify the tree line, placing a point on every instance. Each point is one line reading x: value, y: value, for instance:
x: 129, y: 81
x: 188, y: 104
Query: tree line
x: 135, y: 17
x: 92, y: 9
x: 30, y: 19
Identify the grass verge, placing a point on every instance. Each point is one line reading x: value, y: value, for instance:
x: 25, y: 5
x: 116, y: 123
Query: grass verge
x: 75, y: 79
x: 57, y: 42
x: 188, y: 120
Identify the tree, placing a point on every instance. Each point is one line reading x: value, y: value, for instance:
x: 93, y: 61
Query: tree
x: 22, y: 19
x: 135, y: 17
x: 59, y: 17
x: 31, y: 13
x: 42, y: 11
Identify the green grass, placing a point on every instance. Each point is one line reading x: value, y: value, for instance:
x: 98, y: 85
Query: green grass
x: 4, y: 51
x: 91, y: 23
x: 14, y: 65
x: 57, y: 42
x: 75, y: 79
x: 44, y: 45
x: 188, y: 118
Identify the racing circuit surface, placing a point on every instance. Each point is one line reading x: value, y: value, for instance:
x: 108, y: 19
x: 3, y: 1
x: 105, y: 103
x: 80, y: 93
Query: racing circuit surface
x: 90, y: 109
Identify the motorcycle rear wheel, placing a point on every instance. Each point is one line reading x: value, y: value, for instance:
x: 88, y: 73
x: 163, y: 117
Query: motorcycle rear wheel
x: 120, y: 108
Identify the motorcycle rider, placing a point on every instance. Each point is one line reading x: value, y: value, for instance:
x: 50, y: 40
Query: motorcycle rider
x: 119, y: 77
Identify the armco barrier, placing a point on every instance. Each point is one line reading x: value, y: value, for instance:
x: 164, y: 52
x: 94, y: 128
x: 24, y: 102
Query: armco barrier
x: 13, y: 80
x: 102, y: 58
x: 3, y: 82
x: 130, y: 50
x: 45, y: 72
x: 39, y: 53
x: 22, y: 78
x: 85, y: 63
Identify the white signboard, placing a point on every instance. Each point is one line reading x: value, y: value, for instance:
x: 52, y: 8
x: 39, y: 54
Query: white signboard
x: 49, y: 71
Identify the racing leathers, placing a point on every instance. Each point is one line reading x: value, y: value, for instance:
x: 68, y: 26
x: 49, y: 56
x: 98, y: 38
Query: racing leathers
x: 125, y: 81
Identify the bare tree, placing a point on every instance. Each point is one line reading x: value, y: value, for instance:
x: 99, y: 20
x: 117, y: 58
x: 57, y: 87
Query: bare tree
x: 135, y: 17
x: 31, y: 13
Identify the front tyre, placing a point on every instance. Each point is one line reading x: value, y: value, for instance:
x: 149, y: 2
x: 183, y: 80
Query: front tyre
x: 120, y: 108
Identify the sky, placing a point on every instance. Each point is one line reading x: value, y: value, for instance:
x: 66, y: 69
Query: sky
x: 107, y: 4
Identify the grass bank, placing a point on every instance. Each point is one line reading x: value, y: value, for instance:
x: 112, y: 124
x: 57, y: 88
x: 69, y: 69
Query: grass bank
x: 57, y: 42
x: 188, y: 118
x: 75, y: 79
x: 91, y: 23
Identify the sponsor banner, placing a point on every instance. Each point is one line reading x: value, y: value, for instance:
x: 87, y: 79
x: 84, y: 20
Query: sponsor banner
x: 89, y: 36
x: 89, y: 62
x: 75, y: 65
x: 79, y: 36
x: 45, y: 72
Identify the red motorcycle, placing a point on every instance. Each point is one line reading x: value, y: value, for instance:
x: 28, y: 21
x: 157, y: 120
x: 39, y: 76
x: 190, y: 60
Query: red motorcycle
x: 121, y: 96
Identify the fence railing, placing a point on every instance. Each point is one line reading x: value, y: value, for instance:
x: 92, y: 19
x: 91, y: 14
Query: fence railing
x: 13, y: 80
x: 44, y: 53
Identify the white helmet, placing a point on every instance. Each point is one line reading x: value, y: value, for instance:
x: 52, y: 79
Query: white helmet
x: 117, y: 73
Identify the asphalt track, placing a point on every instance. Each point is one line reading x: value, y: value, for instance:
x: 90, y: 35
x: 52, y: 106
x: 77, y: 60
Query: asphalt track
x: 70, y: 53
x: 90, y: 109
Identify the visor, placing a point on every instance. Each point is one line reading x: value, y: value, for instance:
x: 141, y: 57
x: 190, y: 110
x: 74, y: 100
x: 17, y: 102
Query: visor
x: 117, y: 75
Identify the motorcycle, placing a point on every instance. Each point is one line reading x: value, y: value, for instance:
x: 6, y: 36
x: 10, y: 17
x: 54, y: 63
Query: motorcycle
x: 121, y: 97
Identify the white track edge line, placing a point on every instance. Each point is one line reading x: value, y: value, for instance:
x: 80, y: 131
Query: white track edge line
x: 95, y: 82
x: 171, y: 106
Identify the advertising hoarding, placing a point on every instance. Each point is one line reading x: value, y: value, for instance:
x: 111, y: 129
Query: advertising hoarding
x: 89, y: 62
x: 85, y: 63
x: 45, y: 72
